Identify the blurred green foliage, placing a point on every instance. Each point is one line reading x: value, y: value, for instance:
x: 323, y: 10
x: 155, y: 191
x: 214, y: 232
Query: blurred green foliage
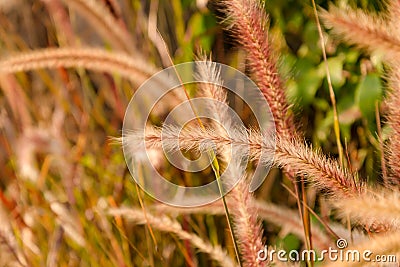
x: 355, y: 79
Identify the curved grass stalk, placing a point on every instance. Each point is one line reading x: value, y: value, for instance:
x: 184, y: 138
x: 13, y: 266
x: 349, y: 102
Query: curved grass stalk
x: 269, y: 212
x: 165, y: 224
x: 133, y: 69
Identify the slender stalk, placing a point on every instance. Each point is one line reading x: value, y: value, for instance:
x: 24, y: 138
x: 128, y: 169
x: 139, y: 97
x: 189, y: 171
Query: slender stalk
x: 336, y: 124
x: 306, y: 221
x: 166, y: 224
x: 215, y: 165
x: 327, y: 227
x: 305, y: 216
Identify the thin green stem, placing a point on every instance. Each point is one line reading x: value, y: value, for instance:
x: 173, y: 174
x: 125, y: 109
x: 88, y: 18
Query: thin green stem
x: 336, y: 124
x: 215, y: 167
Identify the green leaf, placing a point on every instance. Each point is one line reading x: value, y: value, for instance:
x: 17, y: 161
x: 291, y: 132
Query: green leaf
x: 199, y: 24
x: 368, y: 91
x: 335, y: 65
x: 290, y: 242
x: 306, y: 83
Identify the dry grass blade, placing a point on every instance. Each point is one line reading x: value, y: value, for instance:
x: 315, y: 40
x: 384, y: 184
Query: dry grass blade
x: 165, y: 224
x: 272, y: 213
x: 133, y: 69
x: 65, y: 34
x: 10, y: 252
x: 16, y: 98
x: 372, y: 208
x: 103, y: 21
x: 291, y: 223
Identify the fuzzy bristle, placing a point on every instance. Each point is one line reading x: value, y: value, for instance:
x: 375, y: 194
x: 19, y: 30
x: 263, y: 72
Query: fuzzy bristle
x: 248, y: 22
x: 293, y: 155
x: 372, y: 209
x: 364, y: 30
